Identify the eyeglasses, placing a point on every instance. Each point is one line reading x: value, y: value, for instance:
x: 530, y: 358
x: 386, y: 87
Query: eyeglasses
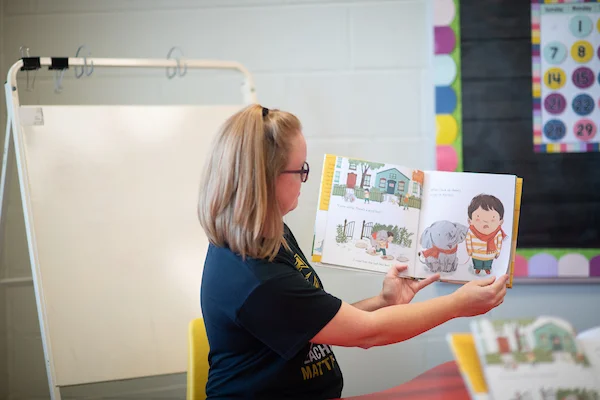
x: 303, y: 172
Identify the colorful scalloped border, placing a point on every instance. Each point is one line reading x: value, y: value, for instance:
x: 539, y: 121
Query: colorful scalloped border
x: 448, y: 102
x: 558, y: 263
x: 538, y: 146
x: 536, y: 78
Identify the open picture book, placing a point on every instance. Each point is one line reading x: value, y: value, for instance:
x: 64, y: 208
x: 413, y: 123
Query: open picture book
x: 374, y: 215
x: 529, y: 359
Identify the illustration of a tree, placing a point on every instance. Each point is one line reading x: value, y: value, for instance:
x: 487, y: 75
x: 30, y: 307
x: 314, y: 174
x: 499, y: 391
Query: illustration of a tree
x: 341, y: 235
x: 365, y: 166
x: 404, y: 239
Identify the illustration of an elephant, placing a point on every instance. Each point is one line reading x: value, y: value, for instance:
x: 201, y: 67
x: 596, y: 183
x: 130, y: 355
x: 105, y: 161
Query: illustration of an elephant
x: 440, y: 243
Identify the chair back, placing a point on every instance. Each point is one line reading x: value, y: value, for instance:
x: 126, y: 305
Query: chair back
x: 197, y: 373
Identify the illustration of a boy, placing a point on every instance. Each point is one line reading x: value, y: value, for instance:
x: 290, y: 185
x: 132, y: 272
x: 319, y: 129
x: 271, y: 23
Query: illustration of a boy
x: 367, y: 195
x: 485, y: 235
x: 380, y: 241
x: 405, y: 200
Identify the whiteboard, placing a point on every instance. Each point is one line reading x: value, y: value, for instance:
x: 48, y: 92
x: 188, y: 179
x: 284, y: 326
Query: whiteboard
x: 113, y: 212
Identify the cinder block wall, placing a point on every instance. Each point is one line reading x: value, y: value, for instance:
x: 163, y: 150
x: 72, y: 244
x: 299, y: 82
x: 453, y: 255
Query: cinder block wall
x: 357, y: 72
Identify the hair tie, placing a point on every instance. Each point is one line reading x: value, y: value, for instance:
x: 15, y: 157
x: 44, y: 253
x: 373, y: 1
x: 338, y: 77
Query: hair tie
x: 265, y: 112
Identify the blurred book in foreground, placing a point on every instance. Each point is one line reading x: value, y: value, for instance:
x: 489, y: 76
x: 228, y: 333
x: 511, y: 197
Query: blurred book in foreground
x: 528, y: 359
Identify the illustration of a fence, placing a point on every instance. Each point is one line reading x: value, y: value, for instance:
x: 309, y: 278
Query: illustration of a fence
x: 414, y: 202
x: 374, y: 195
x: 348, y: 228
x: 367, y: 229
x: 339, y: 190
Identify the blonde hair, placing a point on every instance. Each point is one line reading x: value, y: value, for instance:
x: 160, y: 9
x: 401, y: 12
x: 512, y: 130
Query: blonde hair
x: 237, y: 205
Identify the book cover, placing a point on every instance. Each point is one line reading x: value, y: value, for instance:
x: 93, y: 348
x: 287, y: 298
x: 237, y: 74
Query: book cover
x: 462, y: 346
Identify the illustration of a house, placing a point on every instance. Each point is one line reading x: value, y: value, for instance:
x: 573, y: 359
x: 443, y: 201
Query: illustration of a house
x: 351, y: 178
x: 552, y: 335
x: 337, y: 173
x: 543, y: 333
x: 392, y: 181
x: 416, y: 189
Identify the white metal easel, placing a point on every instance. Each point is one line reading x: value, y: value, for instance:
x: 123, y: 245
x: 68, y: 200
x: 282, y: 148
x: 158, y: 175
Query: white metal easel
x: 14, y: 141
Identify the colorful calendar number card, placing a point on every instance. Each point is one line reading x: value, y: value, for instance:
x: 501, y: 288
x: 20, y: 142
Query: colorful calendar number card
x: 566, y: 75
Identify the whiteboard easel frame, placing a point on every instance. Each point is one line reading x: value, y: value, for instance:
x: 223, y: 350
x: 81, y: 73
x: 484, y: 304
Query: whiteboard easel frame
x: 13, y: 141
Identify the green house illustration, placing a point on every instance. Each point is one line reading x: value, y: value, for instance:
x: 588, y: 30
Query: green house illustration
x: 392, y: 181
x: 551, y: 336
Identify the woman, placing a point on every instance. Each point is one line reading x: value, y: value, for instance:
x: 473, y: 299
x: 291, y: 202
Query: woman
x: 269, y: 321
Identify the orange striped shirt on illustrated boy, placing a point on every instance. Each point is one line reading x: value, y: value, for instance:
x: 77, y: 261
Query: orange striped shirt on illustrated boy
x: 484, y: 247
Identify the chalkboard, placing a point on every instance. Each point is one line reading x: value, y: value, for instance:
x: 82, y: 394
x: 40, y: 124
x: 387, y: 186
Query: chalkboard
x: 559, y: 230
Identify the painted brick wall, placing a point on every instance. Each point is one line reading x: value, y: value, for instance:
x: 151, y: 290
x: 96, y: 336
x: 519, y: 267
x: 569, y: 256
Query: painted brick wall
x: 358, y: 74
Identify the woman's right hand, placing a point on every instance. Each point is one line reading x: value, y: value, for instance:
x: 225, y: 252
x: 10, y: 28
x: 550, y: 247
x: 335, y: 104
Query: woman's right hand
x: 352, y: 327
x: 479, y: 296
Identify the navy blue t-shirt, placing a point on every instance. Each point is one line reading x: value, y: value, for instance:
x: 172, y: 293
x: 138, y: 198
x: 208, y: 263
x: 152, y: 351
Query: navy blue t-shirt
x: 260, y: 317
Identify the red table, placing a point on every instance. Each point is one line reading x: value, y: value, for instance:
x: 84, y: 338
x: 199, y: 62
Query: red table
x: 441, y: 382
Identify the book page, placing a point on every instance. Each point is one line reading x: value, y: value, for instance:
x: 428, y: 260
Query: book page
x: 591, y: 347
x: 535, y: 358
x: 372, y: 215
x: 466, y: 225
x: 590, y: 341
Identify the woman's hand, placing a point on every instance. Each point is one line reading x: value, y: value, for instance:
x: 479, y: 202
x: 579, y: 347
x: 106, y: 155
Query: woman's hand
x: 479, y: 296
x: 398, y: 290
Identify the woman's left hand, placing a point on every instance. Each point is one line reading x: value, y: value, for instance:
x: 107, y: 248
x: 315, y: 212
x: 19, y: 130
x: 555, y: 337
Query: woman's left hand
x: 398, y: 290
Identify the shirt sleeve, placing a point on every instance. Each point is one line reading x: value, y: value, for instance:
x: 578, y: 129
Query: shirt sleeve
x: 499, y: 241
x: 286, y: 311
x: 469, y: 242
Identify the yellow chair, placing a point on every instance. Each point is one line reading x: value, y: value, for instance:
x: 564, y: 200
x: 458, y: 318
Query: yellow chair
x: 197, y: 373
